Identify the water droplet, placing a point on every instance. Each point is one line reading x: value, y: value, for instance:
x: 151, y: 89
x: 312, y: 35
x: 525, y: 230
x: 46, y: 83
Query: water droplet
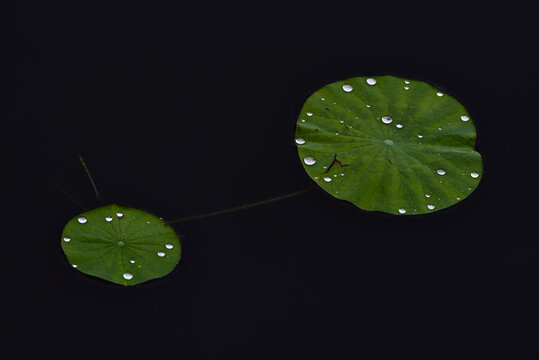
x: 132, y: 261
x: 119, y: 214
x: 160, y: 254
x: 300, y: 141
x: 323, y: 98
x: 406, y: 81
x: 371, y: 81
x: 309, y: 160
x: 464, y: 118
x: 147, y: 222
x: 406, y: 88
x: 440, y: 171
x: 169, y: 246
x: 430, y: 206
x: 439, y: 93
x: 342, y: 174
x: 387, y: 119
x: 458, y: 198
x: 474, y: 175
x: 327, y: 179
x: 336, y: 133
x: 388, y: 142
x: 75, y: 265
x: 127, y: 276
x: 427, y: 195
x: 316, y: 177
x: 120, y: 243
x: 368, y: 105
x: 108, y: 218
x: 82, y: 219
x: 399, y: 126
x: 67, y: 239
x: 402, y: 211
x: 309, y: 113
x: 347, y: 87
x: 439, y: 128
x: 420, y: 136
x: 302, y: 120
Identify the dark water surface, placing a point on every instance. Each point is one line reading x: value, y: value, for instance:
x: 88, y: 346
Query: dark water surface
x: 187, y: 109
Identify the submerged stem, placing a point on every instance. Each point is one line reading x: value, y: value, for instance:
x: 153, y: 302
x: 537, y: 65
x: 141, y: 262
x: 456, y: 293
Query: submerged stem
x: 66, y: 194
x: 241, y: 207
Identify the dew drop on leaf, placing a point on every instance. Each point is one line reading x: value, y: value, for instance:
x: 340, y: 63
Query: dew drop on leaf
x: 127, y: 276
x: 309, y: 160
x: 387, y: 119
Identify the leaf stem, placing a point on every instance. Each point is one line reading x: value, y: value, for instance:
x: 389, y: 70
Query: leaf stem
x: 91, y: 179
x: 241, y: 207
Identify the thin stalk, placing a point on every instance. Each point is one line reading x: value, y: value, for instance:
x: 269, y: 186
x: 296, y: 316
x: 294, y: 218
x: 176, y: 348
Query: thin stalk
x: 91, y: 179
x: 241, y: 207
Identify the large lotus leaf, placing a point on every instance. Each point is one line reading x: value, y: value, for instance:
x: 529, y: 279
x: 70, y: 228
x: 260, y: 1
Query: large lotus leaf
x: 121, y: 244
x: 389, y: 144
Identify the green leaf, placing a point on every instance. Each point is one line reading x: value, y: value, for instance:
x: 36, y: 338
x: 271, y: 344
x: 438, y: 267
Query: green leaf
x: 389, y: 144
x: 121, y: 244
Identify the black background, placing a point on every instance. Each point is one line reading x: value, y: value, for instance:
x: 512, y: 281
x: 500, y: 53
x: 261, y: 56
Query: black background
x: 189, y: 108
